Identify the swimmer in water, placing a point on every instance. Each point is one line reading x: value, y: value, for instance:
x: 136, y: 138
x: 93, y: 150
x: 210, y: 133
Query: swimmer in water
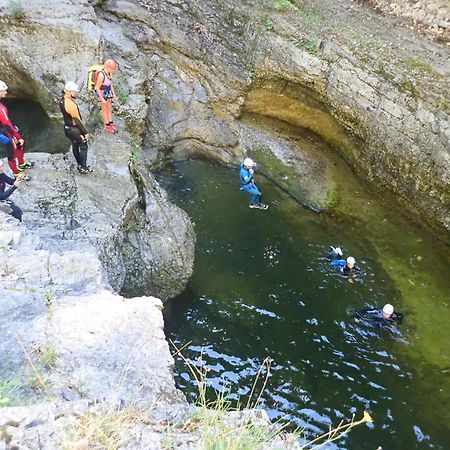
x: 378, y: 317
x: 347, y: 266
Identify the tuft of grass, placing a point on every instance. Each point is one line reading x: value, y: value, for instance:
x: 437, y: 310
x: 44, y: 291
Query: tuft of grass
x: 310, y: 46
x: 409, y: 86
x: 7, y: 387
x: 284, y: 5
x: 133, y: 159
x: 223, y: 426
x: 16, y: 10
x: 49, y: 357
x: 102, y: 429
x: 268, y: 26
x: 414, y: 65
x: 49, y: 295
x: 123, y: 97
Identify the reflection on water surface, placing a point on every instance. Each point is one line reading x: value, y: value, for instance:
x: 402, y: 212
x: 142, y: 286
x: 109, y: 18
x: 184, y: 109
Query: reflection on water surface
x: 263, y: 287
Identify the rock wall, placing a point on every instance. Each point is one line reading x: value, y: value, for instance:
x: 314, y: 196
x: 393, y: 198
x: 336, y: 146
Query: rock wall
x: 189, y: 69
x: 376, y: 93
x: 66, y: 335
x: 46, y: 48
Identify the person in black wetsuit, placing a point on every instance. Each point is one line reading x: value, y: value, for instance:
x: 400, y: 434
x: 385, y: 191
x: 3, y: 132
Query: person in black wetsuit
x: 74, y: 127
x: 12, y: 209
x: 378, y: 317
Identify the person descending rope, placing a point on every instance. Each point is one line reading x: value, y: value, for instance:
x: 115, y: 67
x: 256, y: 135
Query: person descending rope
x: 74, y: 128
x: 347, y: 266
x: 248, y: 184
x: 104, y: 90
x: 11, y: 208
x: 12, y: 139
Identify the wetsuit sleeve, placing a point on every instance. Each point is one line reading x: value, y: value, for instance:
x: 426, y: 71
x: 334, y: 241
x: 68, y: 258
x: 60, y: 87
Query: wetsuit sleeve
x: 338, y: 263
x: 74, y: 112
x: 5, y: 194
x: 246, y: 176
x: 7, y: 124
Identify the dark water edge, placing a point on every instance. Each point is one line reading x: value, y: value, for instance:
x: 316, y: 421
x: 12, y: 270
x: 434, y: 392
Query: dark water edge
x: 262, y: 288
x: 40, y: 133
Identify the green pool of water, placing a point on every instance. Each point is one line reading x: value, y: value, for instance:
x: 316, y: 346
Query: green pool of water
x: 262, y: 287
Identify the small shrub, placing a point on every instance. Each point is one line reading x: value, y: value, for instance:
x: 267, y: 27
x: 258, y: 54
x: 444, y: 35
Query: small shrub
x: 16, y: 10
x: 269, y: 26
x: 133, y: 157
x: 311, y: 46
x: 123, y: 97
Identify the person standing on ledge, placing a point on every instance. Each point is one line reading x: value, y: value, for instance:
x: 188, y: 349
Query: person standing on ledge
x: 248, y: 184
x: 104, y: 90
x: 74, y: 128
x: 10, y: 136
x: 12, y: 209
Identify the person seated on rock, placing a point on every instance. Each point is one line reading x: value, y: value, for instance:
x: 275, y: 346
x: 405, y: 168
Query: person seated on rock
x: 74, y: 128
x: 248, y: 184
x: 12, y: 139
x: 347, y: 266
x: 6, y: 204
x: 104, y: 90
x: 378, y: 317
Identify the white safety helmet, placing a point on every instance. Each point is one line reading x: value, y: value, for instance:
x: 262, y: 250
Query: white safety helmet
x: 248, y: 162
x: 3, y: 86
x: 388, y: 309
x: 71, y: 86
x: 351, y: 260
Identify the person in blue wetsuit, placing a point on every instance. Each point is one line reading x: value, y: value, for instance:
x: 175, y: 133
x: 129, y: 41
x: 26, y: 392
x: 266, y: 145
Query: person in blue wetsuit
x: 248, y: 184
x: 378, y: 317
x: 347, y: 266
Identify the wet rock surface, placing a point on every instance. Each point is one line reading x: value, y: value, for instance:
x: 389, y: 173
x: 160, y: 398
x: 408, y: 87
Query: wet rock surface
x: 368, y: 84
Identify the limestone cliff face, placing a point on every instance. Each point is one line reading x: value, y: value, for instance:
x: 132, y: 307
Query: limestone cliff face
x: 368, y: 84
x: 52, y: 44
x: 377, y: 93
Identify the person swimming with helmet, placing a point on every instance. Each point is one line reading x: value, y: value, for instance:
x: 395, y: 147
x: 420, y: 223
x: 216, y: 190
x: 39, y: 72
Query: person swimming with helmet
x: 378, y: 317
x: 347, y: 266
x: 248, y: 184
